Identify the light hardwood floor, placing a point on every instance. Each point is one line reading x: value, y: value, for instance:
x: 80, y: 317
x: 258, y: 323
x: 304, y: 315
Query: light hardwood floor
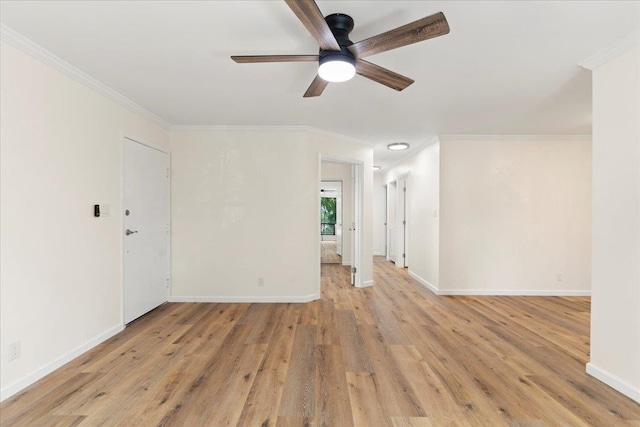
x: 390, y: 355
x: 329, y: 252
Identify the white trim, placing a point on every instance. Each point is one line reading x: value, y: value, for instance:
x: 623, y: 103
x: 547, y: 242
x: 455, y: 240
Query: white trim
x: 545, y: 138
x: 238, y: 128
x: 338, y: 135
x: 293, y: 128
x: 377, y: 254
x: 318, y: 219
x: 424, y: 282
x: 243, y: 299
x: 46, y: 369
x: 516, y: 292
x: 342, y: 160
x: 612, y: 381
x: 499, y: 292
x: 367, y: 284
x: 146, y: 143
x: 620, y: 47
x: 41, y: 54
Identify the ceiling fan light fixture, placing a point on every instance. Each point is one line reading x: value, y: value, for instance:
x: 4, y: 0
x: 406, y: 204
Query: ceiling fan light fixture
x: 337, y: 68
x: 398, y: 146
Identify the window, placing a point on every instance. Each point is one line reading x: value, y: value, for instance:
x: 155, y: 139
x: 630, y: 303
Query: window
x: 328, y: 216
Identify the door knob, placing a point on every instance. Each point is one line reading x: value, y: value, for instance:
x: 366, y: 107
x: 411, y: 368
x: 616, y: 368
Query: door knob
x: 130, y: 232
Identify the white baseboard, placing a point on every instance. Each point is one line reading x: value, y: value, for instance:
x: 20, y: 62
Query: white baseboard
x: 27, y: 380
x: 498, y: 292
x: 378, y: 254
x: 238, y: 299
x: 367, y: 284
x: 614, y: 382
x: 424, y: 282
x: 515, y: 292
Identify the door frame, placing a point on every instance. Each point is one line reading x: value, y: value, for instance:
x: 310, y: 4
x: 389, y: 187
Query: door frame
x: 358, y: 197
x: 403, y: 193
x: 121, y: 216
x: 402, y: 197
x: 392, y: 220
x: 385, y: 226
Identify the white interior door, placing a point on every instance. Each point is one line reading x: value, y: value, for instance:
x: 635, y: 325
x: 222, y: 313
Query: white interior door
x: 355, y: 222
x: 406, y: 211
x: 401, y: 223
x: 391, y: 220
x: 384, y: 225
x: 146, y: 229
x: 338, y: 227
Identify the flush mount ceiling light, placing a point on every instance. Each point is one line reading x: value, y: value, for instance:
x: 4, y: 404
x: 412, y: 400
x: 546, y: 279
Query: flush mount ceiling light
x: 376, y: 168
x: 398, y: 146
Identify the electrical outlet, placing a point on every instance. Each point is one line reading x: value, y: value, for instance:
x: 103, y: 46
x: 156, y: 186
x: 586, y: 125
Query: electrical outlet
x: 260, y: 281
x: 558, y: 277
x: 14, y: 350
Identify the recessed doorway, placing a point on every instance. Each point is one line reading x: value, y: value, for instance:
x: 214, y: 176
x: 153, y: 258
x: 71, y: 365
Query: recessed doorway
x: 348, y: 236
x: 331, y: 222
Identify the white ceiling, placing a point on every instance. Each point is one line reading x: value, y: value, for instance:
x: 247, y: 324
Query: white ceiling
x: 507, y: 67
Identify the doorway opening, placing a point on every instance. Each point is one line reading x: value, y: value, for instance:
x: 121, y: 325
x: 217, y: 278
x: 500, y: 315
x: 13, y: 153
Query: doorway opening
x: 331, y: 222
x: 344, y: 177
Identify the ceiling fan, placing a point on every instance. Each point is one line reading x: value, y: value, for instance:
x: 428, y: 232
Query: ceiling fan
x: 339, y: 58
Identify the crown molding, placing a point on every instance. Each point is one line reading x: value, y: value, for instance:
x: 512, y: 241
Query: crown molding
x: 549, y: 138
x: 238, y: 128
x: 339, y: 136
x: 266, y: 128
x: 36, y: 51
x: 612, y: 52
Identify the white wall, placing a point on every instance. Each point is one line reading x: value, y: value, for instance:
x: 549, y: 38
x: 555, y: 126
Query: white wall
x: 515, y: 213
x: 379, y: 209
x: 230, y: 227
x: 61, y: 276
x: 332, y: 171
x: 615, y: 303
x: 423, y: 193
x: 501, y: 215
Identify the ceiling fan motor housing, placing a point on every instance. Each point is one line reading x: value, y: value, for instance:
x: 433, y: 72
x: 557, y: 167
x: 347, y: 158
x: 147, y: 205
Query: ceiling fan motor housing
x: 340, y: 25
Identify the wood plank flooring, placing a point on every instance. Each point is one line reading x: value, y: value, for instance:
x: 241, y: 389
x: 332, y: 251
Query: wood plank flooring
x: 329, y: 252
x: 390, y: 355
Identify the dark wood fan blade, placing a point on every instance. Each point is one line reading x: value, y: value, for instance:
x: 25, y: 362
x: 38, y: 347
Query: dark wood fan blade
x: 308, y: 13
x: 317, y: 87
x: 382, y: 75
x: 274, y: 58
x: 420, y: 30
